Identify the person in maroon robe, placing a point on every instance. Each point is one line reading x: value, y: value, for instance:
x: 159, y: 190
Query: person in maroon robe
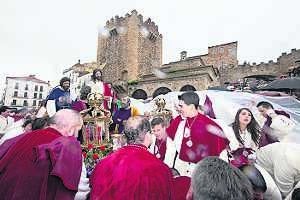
x: 194, y: 136
x: 158, y: 148
x: 132, y: 172
x: 43, y: 164
x: 277, y: 124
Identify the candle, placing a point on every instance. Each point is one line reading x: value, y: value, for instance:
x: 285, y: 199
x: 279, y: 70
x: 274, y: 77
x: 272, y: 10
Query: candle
x: 96, y: 137
x: 100, y: 133
x: 87, y: 134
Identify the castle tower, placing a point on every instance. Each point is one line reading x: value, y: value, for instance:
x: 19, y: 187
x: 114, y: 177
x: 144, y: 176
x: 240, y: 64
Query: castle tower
x: 130, y: 47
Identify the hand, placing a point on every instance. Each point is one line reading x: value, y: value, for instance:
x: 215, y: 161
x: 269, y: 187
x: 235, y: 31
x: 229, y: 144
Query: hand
x: 252, y: 157
x: 270, y: 112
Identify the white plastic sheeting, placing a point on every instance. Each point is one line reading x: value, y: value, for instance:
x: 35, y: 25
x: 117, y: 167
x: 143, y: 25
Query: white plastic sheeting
x: 225, y: 105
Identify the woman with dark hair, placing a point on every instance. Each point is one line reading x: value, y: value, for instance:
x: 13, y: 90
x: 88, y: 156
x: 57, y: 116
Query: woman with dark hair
x: 244, y: 138
x: 246, y: 129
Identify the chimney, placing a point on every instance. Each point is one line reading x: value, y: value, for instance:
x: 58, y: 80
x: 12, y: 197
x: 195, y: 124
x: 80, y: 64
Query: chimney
x: 183, y: 55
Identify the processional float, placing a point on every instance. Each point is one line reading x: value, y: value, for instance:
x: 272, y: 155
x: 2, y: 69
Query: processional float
x: 96, y: 121
x: 96, y: 138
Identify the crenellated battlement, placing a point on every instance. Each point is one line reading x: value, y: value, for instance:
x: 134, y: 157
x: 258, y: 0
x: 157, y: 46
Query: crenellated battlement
x: 148, y: 24
x: 245, y: 65
x: 126, y: 44
x: 283, y: 62
x: 293, y: 52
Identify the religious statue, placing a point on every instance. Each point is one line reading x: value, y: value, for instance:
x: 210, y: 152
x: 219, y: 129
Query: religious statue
x: 96, y: 121
x: 161, y: 111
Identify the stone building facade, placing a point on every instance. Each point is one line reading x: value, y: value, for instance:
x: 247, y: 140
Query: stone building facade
x: 284, y: 63
x: 130, y: 55
x: 25, y: 91
x: 131, y: 49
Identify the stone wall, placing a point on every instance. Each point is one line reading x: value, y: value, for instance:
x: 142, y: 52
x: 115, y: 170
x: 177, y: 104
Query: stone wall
x: 221, y: 56
x: 200, y: 82
x: 130, y: 46
x: 281, y: 66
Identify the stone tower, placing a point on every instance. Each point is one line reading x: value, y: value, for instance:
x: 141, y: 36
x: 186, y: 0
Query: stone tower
x: 222, y: 56
x: 130, y: 47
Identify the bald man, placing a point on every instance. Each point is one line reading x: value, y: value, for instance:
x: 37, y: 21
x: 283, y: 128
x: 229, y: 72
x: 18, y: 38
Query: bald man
x: 43, y: 164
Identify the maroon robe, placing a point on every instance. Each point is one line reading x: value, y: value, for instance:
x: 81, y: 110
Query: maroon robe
x: 265, y: 136
x: 107, y: 92
x: 181, y: 187
x: 160, y: 148
x: 205, y: 142
x: 41, y: 164
x: 131, y: 172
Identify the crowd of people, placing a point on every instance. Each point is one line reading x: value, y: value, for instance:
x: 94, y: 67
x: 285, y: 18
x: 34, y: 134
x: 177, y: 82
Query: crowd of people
x: 193, y: 156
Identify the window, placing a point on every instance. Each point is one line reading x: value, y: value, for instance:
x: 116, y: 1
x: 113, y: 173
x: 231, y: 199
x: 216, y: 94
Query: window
x: 34, y: 103
x: 41, y: 88
x: 124, y: 75
x: 26, y: 87
x: 40, y: 103
x: 35, y: 95
x: 15, y: 93
x: 152, y: 37
x: 221, y: 49
x: 41, y: 96
x: 25, y: 103
x: 113, y: 32
x: 25, y: 94
x: 14, y: 102
x: 36, y: 88
x: 17, y: 86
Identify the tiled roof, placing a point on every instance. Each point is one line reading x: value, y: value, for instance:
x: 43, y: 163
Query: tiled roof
x: 27, y: 78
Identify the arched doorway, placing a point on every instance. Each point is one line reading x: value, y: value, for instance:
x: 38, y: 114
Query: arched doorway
x: 161, y: 90
x: 187, y: 88
x: 139, y: 94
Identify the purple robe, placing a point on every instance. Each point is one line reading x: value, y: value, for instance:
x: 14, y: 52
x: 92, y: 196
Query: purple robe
x: 40, y: 165
x: 79, y: 105
x: 266, y: 137
x: 119, y: 117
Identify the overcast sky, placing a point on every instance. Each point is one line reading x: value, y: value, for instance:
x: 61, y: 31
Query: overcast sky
x: 44, y: 37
